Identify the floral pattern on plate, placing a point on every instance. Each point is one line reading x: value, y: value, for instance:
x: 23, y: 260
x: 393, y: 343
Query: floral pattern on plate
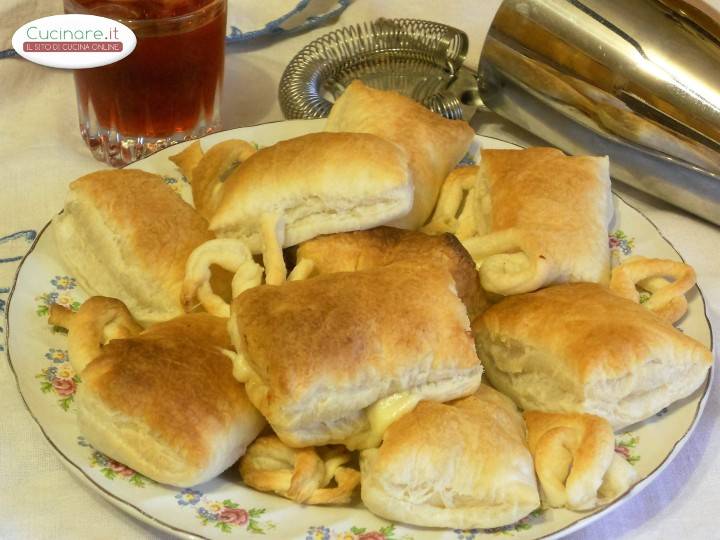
x: 621, y: 245
x: 175, y: 184
x: 626, y: 446
x: 114, y: 470
x: 506, y: 530
x: 321, y: 532
x: 226, y: 515
x: 61, y: 295
x: 59, y: 378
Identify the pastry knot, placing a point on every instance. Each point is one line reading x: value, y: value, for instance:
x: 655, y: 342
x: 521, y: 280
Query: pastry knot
x: 303, y: 475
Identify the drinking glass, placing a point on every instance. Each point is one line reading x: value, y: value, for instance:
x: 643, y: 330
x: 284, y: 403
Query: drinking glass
x: 166, y: 91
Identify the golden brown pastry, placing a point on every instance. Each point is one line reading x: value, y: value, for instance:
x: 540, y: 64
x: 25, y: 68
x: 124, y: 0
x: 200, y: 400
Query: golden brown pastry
x: 667, y: 299
x: 303, y: 475
x: 543, y: 219
x: 126, y: 234
x: 334, y: 359
x: 581, y: 348
x: 165, y: 402
x: 213, y: 169
x: 434, y: 145
x: 458, y: 465
x: 575, y: 460
x: 385, y: 245
x: 98, y: 320
x: 314, y: 184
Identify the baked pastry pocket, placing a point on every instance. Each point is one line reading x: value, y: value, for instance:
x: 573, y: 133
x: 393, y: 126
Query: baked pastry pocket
x: 336, y: 358
x: 579, y: 347
x: 459, y: 465
x: 542, y: 218
x: 433, y: 144
x: 164, y: 402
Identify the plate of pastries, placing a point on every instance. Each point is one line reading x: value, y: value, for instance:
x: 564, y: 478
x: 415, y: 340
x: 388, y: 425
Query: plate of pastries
x: 377, y: 325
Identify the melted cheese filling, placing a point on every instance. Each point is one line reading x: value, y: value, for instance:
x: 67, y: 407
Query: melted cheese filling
x: 302, y: 270
x: 272, y: 230
x: 380, y: 415
x: 241, y: 369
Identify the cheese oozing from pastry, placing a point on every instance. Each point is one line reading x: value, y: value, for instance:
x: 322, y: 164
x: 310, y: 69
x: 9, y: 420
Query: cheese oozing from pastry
x: 380, y: 415
x: 303, y: 270
x: 272, y: 232
x: 241, y: 368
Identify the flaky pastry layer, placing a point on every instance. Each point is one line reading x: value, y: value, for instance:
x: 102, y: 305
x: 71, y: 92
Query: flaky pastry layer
x: 461, y: 465
x: 319, y: 352
x: 581, y: 348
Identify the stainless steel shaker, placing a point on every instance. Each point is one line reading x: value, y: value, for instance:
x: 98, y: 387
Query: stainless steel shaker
x: 638, y: 80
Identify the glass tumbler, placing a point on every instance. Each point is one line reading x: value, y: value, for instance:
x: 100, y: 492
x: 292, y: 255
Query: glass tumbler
x: 166, y: 91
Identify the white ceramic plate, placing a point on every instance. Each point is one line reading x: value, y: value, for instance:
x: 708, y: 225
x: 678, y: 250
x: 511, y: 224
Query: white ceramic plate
x: 223, y: 507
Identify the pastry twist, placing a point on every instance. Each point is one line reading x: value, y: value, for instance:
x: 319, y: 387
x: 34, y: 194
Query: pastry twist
x: 667, y: 298
x: 232, y: 255
x: 299, y: 474
x: 272, y: 230
x: 98, y: 320
x: 303, y: 270
x: 208, y: 171
x: 510, y: 262
x: 575, y: 459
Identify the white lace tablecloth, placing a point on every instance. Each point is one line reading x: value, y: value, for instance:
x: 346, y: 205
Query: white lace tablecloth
x: 41, y: 152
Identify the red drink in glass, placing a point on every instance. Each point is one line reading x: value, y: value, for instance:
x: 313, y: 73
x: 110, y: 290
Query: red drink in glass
x: 167, y: 90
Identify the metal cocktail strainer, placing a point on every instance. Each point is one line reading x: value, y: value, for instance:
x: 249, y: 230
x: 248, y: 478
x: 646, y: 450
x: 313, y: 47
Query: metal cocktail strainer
x: 420, y: 59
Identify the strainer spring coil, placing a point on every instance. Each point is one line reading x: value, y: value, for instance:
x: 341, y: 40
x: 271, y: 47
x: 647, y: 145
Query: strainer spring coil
x: 414, y: 57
